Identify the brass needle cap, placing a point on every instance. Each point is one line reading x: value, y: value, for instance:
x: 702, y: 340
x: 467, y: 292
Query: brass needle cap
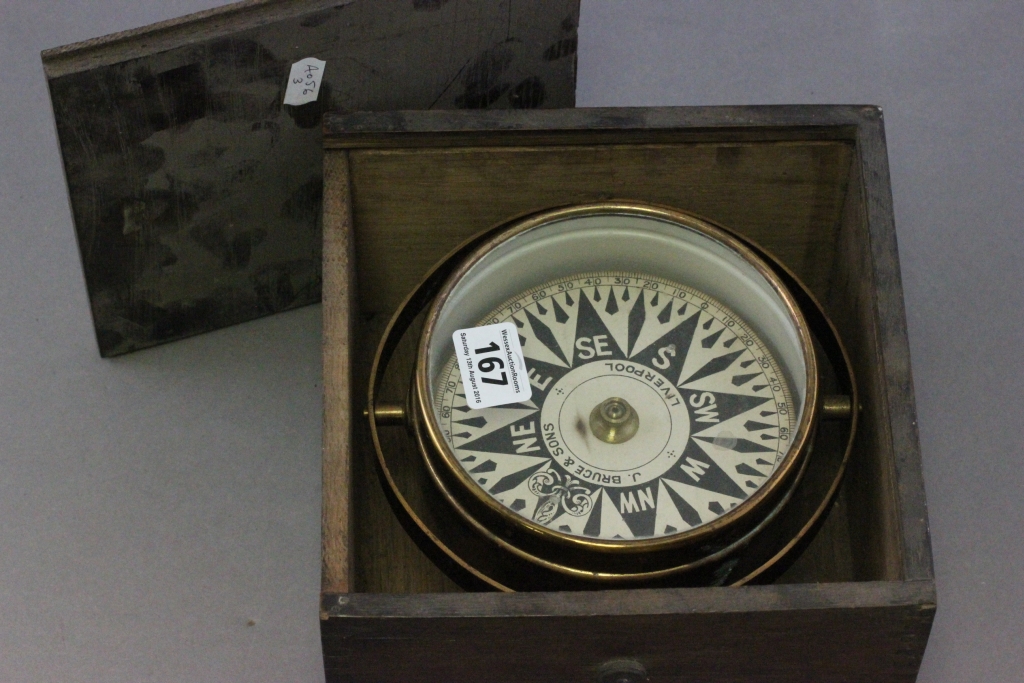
x: 614, y: 421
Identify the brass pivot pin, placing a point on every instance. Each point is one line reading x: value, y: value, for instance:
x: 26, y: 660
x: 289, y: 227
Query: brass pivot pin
x: 614, y: 421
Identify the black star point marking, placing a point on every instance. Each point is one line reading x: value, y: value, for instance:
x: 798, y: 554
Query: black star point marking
x: 500, y: 440
x: 740, y: 380
x: 695, y: 468
x: 546, y: 337
x: 561, y: 317
x: 709, y: 341
x: 666, y: 313
x: 741, y: 445
x: 676, y: 342
x: 727, y: 406
x: 744, y: 468
x: 686, y: 511
x: 589, y: 324
x: 713, y: 366
x: 612, y: 307
x: 637, y: 317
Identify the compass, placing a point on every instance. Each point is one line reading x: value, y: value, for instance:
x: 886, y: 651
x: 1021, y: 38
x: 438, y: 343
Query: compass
x: 673, y: 391
x: 655, y: 411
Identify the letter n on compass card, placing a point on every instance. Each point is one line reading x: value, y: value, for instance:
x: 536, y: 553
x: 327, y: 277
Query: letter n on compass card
x: 618, y: 395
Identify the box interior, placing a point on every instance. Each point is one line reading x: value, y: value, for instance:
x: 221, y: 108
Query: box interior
x: 801, y: 199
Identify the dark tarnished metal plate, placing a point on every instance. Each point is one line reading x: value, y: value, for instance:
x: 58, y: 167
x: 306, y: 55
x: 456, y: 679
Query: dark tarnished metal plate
x: 196, y: 193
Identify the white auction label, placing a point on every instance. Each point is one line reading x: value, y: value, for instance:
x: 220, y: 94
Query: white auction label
x: 304, y: 81
x: 491, y: 361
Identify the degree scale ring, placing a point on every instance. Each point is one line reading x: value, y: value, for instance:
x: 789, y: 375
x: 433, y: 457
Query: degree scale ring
x: 697, y: 338
x: 714, y: 409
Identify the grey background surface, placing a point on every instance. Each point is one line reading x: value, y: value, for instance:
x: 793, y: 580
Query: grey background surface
x: 159, y: 513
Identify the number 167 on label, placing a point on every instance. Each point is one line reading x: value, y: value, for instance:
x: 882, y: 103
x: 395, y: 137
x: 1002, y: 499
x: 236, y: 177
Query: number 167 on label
x: 491, y: 360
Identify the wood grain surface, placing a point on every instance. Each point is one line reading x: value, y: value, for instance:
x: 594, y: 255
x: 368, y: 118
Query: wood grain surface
x: 810, y: 185
x: 196, y: 193
x: 338, y: 346
x: 412, y: 205
x: 863, y: 632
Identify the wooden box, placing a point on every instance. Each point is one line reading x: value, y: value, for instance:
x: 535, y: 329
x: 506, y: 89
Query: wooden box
x: 195, y: 189
x: 810, y: 184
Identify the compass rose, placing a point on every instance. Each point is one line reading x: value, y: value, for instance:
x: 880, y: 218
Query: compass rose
x: 655, y: 409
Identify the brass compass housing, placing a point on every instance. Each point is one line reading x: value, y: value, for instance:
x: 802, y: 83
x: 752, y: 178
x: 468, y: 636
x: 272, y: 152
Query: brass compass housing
x: 640, y: 462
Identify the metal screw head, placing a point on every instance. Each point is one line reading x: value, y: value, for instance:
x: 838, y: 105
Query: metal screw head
x: 614, y: 420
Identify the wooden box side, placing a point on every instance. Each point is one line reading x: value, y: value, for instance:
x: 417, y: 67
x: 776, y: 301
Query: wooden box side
x: 821, y: 206
x: 166, y: 35
x: 411, y: 205
x: 866, y: 630
x: 196, y: 191
x: 841, y: 632
x: 894, y: 351
x: 417, y: 203
x: 338, y: 301
x: 348, y: 478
